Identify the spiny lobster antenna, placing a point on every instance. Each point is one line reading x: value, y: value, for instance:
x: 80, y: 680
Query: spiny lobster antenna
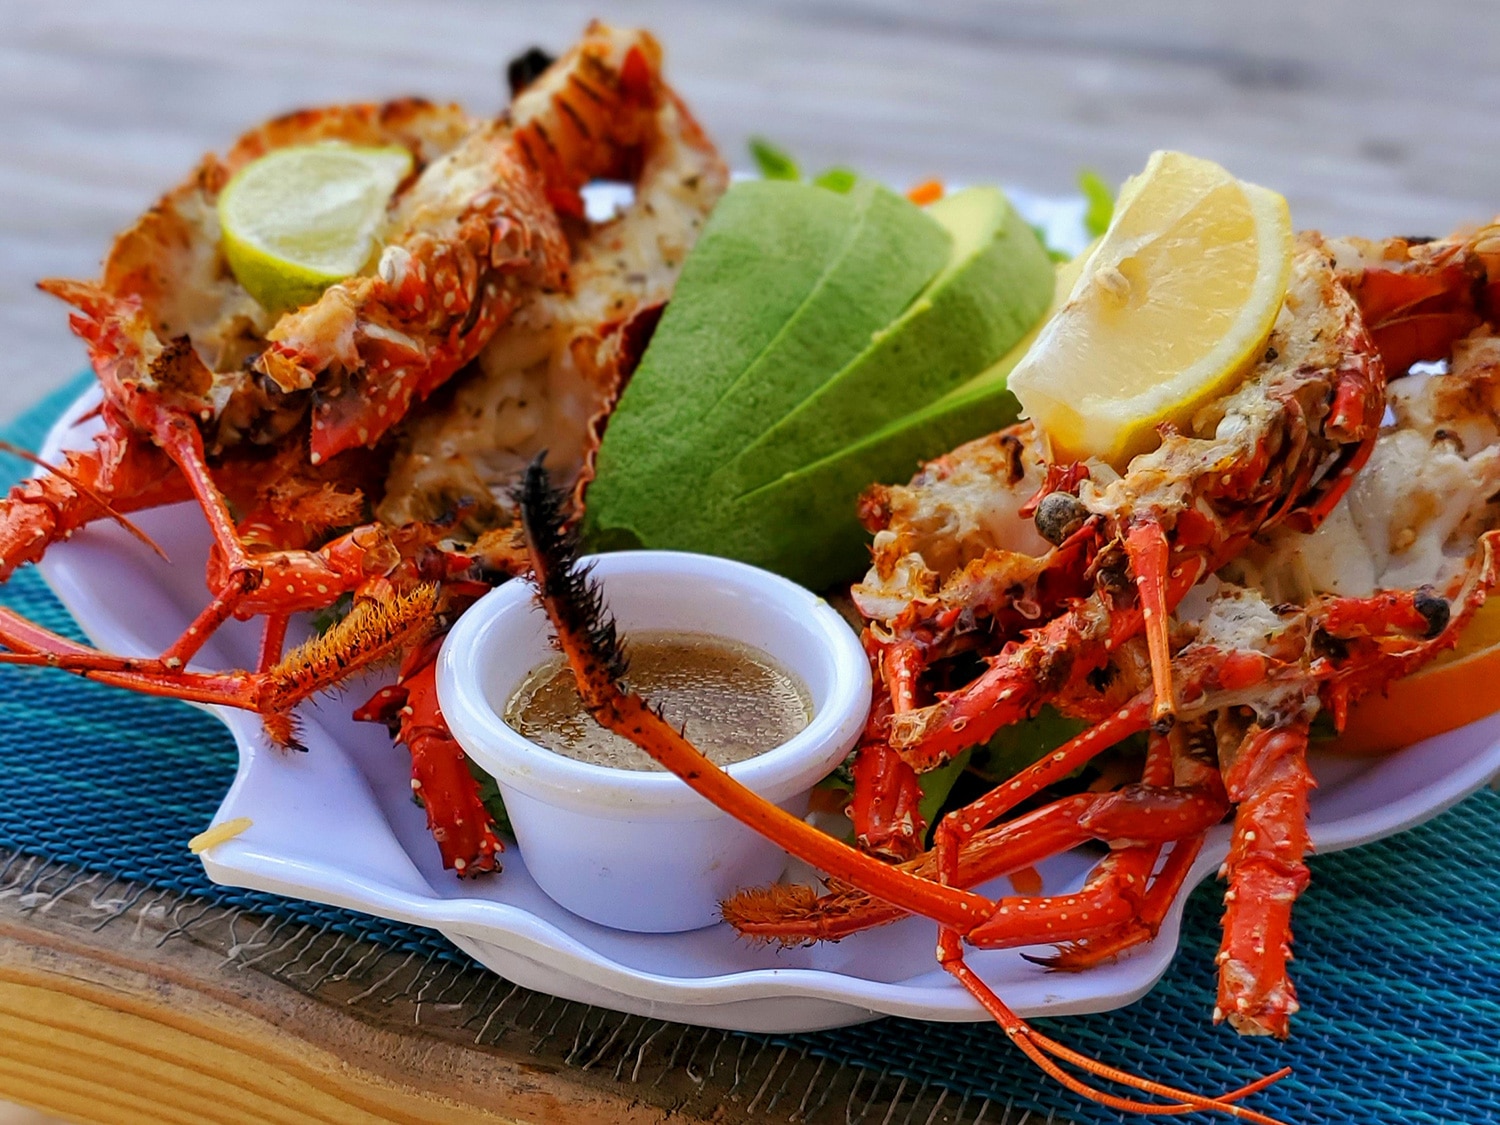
x: 566, y: 588
x: 587, y: 637
x: 93, y: 494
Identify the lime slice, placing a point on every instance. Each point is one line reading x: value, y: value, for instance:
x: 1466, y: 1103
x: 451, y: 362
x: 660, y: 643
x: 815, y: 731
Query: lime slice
x: 1174, y: 304
x: 301, y: 218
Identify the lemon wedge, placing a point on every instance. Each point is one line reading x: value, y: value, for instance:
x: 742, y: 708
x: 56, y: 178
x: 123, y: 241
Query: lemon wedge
x: 1174, y: 303
x: 301, y: 218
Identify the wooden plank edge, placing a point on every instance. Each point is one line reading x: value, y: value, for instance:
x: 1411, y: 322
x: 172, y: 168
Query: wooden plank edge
x: 155, y: 1030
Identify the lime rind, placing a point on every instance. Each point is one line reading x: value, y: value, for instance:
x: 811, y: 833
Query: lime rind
x: 299, y: 219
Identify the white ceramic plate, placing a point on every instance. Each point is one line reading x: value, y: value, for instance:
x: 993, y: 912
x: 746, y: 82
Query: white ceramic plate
x: 337, y: 825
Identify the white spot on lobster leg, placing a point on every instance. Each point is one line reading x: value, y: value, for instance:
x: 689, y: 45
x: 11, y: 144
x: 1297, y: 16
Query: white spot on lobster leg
x: 416, y: 785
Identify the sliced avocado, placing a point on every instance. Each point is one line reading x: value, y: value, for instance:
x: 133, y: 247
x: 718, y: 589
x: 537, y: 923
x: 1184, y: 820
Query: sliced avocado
x: 817, y: 538
x: 997, y: 282
x: 892, y: 252
x: 804, y: 525
x: 786, y: 285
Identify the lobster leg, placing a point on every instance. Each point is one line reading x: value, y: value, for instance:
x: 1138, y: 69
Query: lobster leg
x: 1112, y: 896
x: 1268, y: 779
x: 1146, y: 544
x: 272, y: 641
x: 115, y: 476
x: 959, y: 826
x: 1072, y: 645
x: 1150, y: 911
x: 886, y: 791
x: 373, y: 631
x: 789, y: 913
x: 440, y: 776
x: 1143, y: 925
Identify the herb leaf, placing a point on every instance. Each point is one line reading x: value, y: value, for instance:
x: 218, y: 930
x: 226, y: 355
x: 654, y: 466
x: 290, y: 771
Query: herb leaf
x: 1101, y: 202
x: 841, y: 180
x: 773, y: 163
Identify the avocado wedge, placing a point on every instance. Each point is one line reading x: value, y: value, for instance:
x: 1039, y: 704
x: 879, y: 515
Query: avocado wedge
x: 996, y: 284
x: 787, y: 284
x: 770, y: 469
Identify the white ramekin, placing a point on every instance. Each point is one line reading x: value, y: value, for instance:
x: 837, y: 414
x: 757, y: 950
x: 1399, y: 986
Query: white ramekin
x: 639, y: 850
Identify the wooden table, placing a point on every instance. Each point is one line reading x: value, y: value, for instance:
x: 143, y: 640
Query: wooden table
x: 1373, y: 118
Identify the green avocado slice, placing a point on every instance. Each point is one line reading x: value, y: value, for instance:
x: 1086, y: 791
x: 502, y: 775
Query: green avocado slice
x: 804, y: 525
x: 996, y: 284
x: 817, y: 537
x: 786, y: 285
x: 764, y: 462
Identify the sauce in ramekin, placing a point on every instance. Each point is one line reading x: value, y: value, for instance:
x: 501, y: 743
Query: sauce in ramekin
x: 733, y: 701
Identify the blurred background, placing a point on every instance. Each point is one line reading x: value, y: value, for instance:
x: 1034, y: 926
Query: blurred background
x: 1372, y: 117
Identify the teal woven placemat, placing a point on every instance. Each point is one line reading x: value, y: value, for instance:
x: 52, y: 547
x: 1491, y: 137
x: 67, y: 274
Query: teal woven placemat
x: 1398, y: 949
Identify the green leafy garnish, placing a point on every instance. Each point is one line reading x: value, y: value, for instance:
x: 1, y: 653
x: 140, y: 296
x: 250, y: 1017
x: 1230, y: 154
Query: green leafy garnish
x: 1100, y: 199
x: 772, y: 162
x: 937, y: 784
x: 841, y: 180
x: 489, y: 796
x: 1052, y: 251
x: 1323, y: 728
x: 1019, y: 745
x: 326, y: 618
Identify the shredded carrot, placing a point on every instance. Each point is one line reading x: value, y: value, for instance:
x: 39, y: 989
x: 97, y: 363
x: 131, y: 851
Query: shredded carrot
x: 928, y: 191
x: 1026, y: 881
x: 218, y: 833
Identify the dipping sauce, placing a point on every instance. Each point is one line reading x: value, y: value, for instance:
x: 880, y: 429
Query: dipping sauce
x: 733, y: 700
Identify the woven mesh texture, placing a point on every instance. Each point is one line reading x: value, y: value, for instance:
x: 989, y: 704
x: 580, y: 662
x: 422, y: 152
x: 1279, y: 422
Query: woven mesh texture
x: 1398, y: 953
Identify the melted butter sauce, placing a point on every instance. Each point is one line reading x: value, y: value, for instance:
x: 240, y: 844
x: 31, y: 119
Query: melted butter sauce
x: 733, y: 700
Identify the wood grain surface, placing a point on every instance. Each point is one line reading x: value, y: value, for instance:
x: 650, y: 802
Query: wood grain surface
x: 117, y: 999
x: 1373, y: 117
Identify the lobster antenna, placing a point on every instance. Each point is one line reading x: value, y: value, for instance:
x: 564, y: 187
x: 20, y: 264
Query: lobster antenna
x: 565, y: 588
x: 92, y: 494
x: 374, y: 630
